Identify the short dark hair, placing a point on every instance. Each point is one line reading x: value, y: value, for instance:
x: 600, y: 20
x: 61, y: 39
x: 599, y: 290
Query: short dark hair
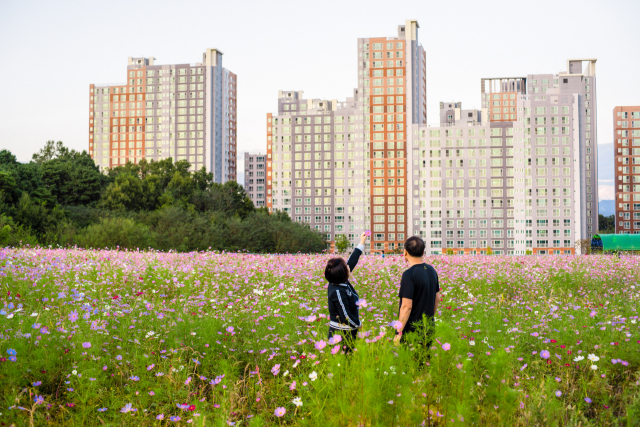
x: 336, y: 271
x: 414, y: 246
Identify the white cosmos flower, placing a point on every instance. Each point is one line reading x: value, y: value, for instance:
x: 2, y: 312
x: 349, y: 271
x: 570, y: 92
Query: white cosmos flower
x: 594, y: 367
x: 313, y: 376
x: 297, y: 401
x: 34, y: 314
x: 579, y: 358
x: 593, y: 357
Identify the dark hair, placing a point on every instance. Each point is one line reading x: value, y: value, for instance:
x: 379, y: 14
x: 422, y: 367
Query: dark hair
x: 336, y: 271
x: 414, y: 246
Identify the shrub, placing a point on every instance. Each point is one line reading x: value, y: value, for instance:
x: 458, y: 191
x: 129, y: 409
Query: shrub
x: 12, y: 234
x: 116, y: 232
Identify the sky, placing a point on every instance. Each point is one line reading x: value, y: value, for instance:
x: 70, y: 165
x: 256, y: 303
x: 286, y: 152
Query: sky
x: 52, y: 51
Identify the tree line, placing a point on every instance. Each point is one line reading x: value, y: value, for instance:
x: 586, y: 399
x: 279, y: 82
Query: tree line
x: 61, y: 198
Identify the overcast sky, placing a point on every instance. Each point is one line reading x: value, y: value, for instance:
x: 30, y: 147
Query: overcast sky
x: 52, y: 51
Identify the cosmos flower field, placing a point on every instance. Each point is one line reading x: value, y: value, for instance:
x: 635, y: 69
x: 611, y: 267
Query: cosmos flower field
x: 146, y: 338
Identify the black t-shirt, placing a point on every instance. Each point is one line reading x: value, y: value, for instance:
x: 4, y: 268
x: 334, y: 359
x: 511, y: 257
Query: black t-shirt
x: 420, y: 284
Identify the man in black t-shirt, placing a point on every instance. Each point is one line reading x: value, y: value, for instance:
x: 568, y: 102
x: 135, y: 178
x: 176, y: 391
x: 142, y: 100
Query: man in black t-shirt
x: 419, y: 290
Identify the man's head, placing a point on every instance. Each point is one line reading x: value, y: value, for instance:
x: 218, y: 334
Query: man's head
x: 414, y: 247
x: 336, y: 271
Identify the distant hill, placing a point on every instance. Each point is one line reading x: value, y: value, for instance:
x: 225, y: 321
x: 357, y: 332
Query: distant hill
x: 607, y: 207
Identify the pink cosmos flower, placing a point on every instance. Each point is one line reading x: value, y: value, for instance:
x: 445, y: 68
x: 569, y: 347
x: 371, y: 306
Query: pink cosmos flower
x: 397, y: 325
x: 86, y: 345
x: 280, y: 412
x: 335, y: 339
x: 335, y: 349
x: 446, y: 346
x: 320, y: 345
x: 545, y: 354
x: 276, y: 369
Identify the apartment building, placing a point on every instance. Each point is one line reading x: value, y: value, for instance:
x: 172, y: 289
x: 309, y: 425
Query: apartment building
x: 341, y: 167
x: 516, y: 176
x: 626, y: 145
x: 181, y: 111
x: 255, y: 180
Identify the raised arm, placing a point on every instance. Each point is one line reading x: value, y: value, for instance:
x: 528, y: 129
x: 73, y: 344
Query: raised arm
x: 355, y: 255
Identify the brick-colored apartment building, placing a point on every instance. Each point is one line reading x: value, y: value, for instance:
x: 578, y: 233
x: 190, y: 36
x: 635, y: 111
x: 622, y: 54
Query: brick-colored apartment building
x: 626, y: 146
x: 182, y: 111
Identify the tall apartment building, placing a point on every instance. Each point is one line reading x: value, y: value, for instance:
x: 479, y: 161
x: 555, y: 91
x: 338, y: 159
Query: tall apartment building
x: 182, y: 111
x: 255, y: 179
x: 517, y: 175
x: 626, y: 145
x: 342, y: 166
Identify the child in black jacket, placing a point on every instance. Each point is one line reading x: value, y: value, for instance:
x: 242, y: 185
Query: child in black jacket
x: 343, y: 310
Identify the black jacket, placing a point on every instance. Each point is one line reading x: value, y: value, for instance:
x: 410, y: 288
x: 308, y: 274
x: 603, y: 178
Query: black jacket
x: 343, y: 311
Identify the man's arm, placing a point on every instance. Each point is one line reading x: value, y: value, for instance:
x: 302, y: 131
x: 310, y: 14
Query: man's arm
x: 405, y: 311
x: 435, y: 305
x: 403, y: 317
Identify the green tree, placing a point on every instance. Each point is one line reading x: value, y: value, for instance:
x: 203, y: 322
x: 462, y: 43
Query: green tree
x: 9, y: 187
x: 16, y: 178
x: 606, y: 224
x: 342, y: 243
x: 179, y: 190
x: 36, y: 215
x: 73, y: 178
x: 50, y: 151
x: 125, y: 193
